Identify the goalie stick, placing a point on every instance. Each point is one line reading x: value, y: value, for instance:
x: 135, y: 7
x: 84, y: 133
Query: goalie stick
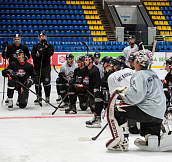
x: 93, y: 138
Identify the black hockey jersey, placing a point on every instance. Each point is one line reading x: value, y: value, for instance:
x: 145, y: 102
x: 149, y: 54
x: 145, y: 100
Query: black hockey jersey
x: 23, y: 72
x: 11, y: 49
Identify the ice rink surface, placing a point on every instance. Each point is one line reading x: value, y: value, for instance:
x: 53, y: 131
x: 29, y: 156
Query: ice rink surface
x: 28, y: 136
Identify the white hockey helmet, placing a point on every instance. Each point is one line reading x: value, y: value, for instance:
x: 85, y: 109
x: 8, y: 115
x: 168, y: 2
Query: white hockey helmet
x: 144, y: 57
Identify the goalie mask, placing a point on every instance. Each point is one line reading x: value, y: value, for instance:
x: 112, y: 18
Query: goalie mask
x: 144, y: 57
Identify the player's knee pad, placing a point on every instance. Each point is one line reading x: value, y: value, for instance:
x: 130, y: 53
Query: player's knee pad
x: 46, y: 81
x: 11, y: 83
x: 83, y: 102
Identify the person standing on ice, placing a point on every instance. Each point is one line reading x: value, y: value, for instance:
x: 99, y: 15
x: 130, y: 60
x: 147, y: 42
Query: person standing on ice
x: 147, y: 105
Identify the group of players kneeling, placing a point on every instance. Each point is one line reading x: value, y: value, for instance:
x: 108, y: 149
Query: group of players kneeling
x: 130, y: 96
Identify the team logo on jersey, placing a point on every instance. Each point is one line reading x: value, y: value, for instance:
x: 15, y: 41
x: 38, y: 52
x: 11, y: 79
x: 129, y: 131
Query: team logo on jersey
x: 70, y: 75
x: 20, y: 73
x: 86, y: 80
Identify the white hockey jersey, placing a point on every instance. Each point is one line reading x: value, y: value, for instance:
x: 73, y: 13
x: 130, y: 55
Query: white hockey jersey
x: 120, y: 78
x: 146, y: 91
x: 99, y: 65
x: 127, y: 51
x: 68, y: 70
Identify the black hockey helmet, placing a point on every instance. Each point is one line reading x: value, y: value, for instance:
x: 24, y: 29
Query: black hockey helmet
x: 131, y: 57
x: 17, y: 36
x: 91, y: 57
x: 132, y: 37
x: 121, y: 59
x: 42, y: 33
x: 169, y: 61
x: 97, y: 55
x: 81, y: 58
x: 106, y: 59
x: 69, y: 55
x: 19, y: 51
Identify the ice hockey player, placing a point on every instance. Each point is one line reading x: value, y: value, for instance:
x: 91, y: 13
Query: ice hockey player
x: 131, y: 48
x: 73, y: 84
x: 102, y: 96
x: 131, y: 61
x: 19, y: 71
x: 98, y: 63
x: 65, y: 75
x: 147, y: 105
x: 168, y: 84
x: 8, y: 50
x: 90, y: 85
x: 41, y: 53
x: 12, y: 48
x: 121, y: 76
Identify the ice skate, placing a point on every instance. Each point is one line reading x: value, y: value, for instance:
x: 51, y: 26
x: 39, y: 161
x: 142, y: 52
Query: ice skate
x: 47, y: 100
x: 10, y: 104
x: 37, y: 101
x: 94, y: 123
x: 6, y: 101
x: 59, y: 99
x: 71, y: 109
x: 63, y: 106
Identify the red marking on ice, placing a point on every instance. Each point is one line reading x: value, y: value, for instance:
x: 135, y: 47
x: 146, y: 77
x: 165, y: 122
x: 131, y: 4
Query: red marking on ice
x: 33, y: 117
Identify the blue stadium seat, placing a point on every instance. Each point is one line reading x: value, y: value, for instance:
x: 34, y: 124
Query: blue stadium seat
x: 60, y: 27
x: 45, y: 27
x: 66, y: 12
x: 64, y: 21
x: 66, y: 27
x: 56, y: 27
x: 69, y: 22
x: 44, y: 21
x: 72, y: 32
x: 62, y: 32
x: 71, y: 12
x: 63, y: 17
x: 71, y: 27
x: 59, y: 22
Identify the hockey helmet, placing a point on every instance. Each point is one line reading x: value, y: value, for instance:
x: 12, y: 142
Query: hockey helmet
x: 17, y: 36
x: 42, y: 33
x: 132, y: 37
x: 169, y: 61
x: 19, y: 51
x: 106, y: 59
x: 69, y: 55
x: 121, y: 59
x: 81, y: 58
x: 144, y: 57
x: 131, y: 57
x: 91, y: 57
x: 97, y: 55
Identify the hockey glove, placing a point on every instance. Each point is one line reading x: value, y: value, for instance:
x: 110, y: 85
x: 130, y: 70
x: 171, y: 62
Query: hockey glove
x: 4, y: 45
x: 12, y: 74
x: 121, y: 91
x: 41, y: 51
x: 28, y: 83
x: 61, y: 75
x: 72, y: 81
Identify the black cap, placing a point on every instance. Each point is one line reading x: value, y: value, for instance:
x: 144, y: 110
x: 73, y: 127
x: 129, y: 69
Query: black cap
x: 42, y: 33
x: 132, y: 37
x: 97, y: 55
x: 17, y: 36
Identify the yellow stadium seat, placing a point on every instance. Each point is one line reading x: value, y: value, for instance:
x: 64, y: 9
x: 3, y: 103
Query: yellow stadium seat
x: 87, y: 2
x: 89, y: 7
x: 99, y: 22
x: 162, y: 3
x: 91, y: 27
x: 151, y: 12
x: 90, y: 12
x: 102, y: 33
x: 101, y: 27
x: 154, y: 12
x: 96, y: 27
x: 89, y: 22
x: 84, y: 7
x: 93, y: 7
x: 158, y: 17
x: 158, y: 4
x: 167, y: 4
x: 160, y: 13
x: 170, y: 32
x: 162, y: 18
x: 95, y: 12
x: 161, y: 23
x: 92, y: 17
x: 163, y: 28
x: 157, y: 8
x: 94, y: 39
x: 166, y: 23
x: 156, y: 22
x: 100, y: 39
x: 94, y: 22
x: 154, y: 17
x: 105, y: 39
x: 98, y: 33
x: 150, y: 3
x: 97, y: 17
x: 93, y: 33
x: 145, y: 3
x: 68, y: 2
x: 161, y: 32
x: 159, y: 28
x: 152, y: 8
x: 87, y: 16
x: 154, y: 3
x: 168, y: 27
x: 167, y: 33
x: 91, y: 2
x: 148, y: 8
x: 86, y: 11
x: 82, y: 2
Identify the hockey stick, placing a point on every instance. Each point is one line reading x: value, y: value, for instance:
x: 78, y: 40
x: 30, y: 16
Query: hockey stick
x: 34, y: 93
x: 93, y: 138
x: 4, y: 77
x: 85, y: 46
x: 153, y: 50
x: 55, y: 69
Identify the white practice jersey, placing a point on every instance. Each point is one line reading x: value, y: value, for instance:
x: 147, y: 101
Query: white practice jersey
x: 127, y: 51
x: 99, y: 65
x: 146, y: 91
x: 120, y: 78
x: 68, y: 70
